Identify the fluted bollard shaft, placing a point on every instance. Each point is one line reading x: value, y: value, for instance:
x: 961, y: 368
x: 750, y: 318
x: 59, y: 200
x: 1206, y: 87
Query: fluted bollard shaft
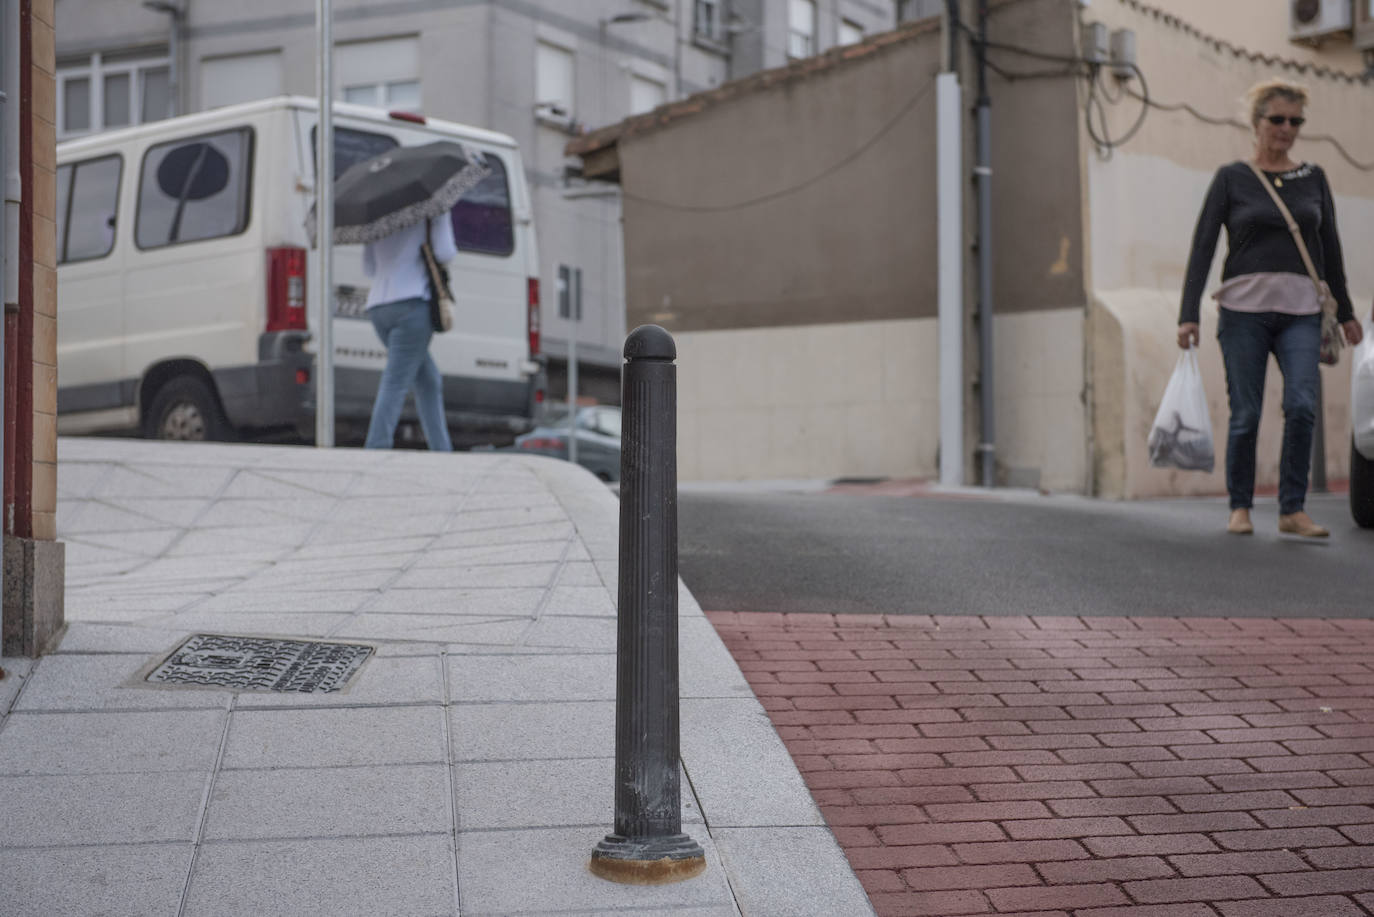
x: 648, y: 846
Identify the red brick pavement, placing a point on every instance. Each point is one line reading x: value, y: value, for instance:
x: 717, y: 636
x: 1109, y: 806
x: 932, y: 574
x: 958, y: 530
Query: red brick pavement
x: 1082, y: 767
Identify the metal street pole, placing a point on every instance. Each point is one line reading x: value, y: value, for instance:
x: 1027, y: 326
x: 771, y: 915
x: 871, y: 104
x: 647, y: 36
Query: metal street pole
x: 575, y: 315
x: 324, y: 213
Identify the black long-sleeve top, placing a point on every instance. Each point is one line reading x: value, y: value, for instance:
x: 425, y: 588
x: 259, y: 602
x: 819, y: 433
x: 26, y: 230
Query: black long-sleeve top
x: 1258, y: 240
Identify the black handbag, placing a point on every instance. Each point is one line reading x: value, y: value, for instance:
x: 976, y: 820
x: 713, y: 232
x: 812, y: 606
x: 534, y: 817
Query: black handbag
x: 440, y: 296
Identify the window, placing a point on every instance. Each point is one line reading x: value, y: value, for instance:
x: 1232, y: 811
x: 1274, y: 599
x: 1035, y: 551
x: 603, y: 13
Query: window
x: 553, y: 82
x: 240, y: 78
x: 482, y: 217
x: 351, y: 147
x: 706, y: 19
x: 801, y: 28
x: 87, y: 204
x: 646, y: 94
x: 194, y: 189
x: 851, y: 33
x: 383, y: 74
x: 102, y: 92
x: 908, y: 10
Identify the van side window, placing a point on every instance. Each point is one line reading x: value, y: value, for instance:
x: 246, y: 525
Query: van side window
x: 195, y: 188
x: 482, y: 218
x: 87, y: 205
x: 350, y: 147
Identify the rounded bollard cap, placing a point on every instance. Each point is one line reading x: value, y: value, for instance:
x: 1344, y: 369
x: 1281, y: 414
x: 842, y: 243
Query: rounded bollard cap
x: 650, y: 342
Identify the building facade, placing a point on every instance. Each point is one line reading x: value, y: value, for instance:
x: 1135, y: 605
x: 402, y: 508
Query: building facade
x: 811, y: 348
x: 538, y: 70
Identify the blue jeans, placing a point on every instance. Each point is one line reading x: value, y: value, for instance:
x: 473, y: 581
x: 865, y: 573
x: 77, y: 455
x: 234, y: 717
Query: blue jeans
x: 404, y: 328
x: 1247, y: 339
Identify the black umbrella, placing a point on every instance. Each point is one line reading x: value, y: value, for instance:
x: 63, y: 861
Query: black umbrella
x: 399, y: 188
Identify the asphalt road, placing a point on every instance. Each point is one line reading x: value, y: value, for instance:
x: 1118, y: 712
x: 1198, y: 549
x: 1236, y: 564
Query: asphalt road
x: 1015, y: 553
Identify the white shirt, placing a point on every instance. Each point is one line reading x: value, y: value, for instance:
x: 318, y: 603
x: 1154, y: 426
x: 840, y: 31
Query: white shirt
x: 396, y: 266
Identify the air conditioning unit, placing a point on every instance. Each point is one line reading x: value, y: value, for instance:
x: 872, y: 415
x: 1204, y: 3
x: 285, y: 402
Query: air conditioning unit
x: 1314, y: 20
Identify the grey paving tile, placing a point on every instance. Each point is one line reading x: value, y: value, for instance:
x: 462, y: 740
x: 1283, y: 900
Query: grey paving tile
x: 178, y: 512
x: 399, y: 544
x: 347, y: 877
x: 515, y: 602
x: 546, y: 794
x: 705, y: 666
x: 332, y: 737
x: 494, y: 876
x: 145, y: 543
x: 783, y: 872
x: 583, y: 633
x: 506, y: 534
x: 524, y: 732
x: 530, y: 575
x: 16, y: 672
x: 333, y: 600
x: 381, y: 681
x: 96, y: 743
x: 583, y: 574
x: 542, y: 520
x: 531, y: 678
x: 740, y: 770
x: 581, y: 601
x: 265, y: 580
x: 531, y: 552
x: 86, y: 683
x: 330, y: 802
x: 110, y: 881
x: 101, y: 809
x: 161, y: 479
x: 246, y: 541
x: 283, y: 623
x: 86, y: 637
x: 435, y: 628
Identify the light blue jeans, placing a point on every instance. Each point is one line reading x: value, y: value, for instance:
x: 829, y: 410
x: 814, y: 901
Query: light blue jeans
x: 404, y: 328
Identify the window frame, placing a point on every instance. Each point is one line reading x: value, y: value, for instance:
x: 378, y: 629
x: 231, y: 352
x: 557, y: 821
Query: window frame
x: 64, y: 229
x: 794, y: 33
x: 247, y: 220
x: 510, y: 210
x: 94, y: 70
x: 715, y: 29
x: 545, y: 111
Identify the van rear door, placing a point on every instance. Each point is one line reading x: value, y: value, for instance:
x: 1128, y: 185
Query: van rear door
x: 90, y: 327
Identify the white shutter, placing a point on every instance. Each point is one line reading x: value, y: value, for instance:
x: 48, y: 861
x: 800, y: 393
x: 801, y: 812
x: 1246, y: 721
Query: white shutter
x: 240, y: 78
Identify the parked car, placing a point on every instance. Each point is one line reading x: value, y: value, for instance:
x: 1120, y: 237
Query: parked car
x: 184, y: 265
x: 1362, y: 431
x: 598, y: 439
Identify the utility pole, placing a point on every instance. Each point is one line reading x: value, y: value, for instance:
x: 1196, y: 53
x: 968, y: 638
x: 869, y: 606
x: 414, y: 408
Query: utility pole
x: 983, y: 170
x: 324, y: 213
x: 950, y: 209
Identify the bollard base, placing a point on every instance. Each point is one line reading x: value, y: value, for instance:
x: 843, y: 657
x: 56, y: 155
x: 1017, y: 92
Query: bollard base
x: 647, y: 860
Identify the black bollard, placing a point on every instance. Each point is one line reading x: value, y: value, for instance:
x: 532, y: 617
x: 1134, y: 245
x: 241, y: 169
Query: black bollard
x: 648, y: 846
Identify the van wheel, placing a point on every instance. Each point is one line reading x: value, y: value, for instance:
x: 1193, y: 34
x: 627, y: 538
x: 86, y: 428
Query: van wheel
x: 1361, y: 488
x: 186, y: 410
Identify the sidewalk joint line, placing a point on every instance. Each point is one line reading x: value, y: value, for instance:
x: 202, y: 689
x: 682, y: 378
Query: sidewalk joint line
x: 206, y: 799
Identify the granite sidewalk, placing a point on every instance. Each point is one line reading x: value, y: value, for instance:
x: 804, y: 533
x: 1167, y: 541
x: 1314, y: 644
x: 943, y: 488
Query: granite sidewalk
x: 466, y: 769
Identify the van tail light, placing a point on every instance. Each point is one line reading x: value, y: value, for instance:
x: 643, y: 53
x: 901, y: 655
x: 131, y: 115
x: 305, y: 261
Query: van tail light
x: 286, y: 289
x: 533, y: 316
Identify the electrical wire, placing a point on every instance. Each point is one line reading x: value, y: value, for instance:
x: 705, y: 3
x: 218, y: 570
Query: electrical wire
x: 793, y: 189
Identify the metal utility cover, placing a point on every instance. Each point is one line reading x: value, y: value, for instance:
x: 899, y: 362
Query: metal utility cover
x: 261, y: 664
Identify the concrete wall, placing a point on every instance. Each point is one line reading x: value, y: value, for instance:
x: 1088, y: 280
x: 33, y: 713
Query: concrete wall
x: 786, y: 236
x: 1143, y: 205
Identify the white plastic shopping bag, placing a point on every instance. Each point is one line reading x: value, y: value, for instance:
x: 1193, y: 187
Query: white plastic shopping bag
x: 1362, y: 393
x: 1181, y: 436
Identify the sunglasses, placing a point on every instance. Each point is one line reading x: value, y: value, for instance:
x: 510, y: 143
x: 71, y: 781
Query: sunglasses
x: 1277, y: 120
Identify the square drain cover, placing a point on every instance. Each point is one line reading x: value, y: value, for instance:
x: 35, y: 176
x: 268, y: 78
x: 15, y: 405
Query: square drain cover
x: 261, y: 664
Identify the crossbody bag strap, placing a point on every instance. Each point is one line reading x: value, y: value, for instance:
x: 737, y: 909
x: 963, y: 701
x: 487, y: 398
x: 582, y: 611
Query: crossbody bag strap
x: 427, y: 251
x: 1292, y: 226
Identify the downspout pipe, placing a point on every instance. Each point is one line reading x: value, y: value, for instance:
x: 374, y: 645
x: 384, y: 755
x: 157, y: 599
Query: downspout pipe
x: 983, y: 171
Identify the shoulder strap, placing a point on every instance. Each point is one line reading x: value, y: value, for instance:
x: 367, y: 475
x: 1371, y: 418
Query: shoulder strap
x: 1292, y: 224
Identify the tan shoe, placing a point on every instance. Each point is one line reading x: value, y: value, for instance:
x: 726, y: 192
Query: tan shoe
x: 1300, y: 523
x: 1239, y: 523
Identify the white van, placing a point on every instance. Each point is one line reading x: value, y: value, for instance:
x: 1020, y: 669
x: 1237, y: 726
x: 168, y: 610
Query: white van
x: 184, y: 265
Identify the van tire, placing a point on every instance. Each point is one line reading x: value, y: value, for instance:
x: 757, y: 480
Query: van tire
x: 1361, y: 488
x: 186, y: 410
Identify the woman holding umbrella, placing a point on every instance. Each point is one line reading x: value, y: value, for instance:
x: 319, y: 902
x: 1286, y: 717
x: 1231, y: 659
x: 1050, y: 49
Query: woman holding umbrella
x: 398, y: 306
x: 395, y: 204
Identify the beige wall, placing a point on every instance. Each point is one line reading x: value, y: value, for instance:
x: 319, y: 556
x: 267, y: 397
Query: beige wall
x: 1143, y: 204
